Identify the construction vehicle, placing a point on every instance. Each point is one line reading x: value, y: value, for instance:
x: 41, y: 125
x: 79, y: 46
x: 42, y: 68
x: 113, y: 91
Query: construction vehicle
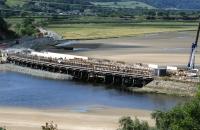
x: 191, y: 63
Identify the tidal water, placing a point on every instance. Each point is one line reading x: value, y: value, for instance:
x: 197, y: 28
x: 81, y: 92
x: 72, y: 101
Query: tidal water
x: 19, y: 90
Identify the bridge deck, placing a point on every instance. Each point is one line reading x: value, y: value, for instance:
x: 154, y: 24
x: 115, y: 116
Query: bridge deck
x: 86, y: 65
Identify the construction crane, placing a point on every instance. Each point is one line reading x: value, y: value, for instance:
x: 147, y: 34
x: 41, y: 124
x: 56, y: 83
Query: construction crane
x: 191, y: 63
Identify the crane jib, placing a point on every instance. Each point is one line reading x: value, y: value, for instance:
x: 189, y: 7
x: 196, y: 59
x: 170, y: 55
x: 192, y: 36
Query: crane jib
x: 197, y: 37
x: 191, y: 63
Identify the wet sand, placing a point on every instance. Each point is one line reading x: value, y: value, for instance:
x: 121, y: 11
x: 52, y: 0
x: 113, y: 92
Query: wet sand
x: 94, y: 119
x: 163, y: 48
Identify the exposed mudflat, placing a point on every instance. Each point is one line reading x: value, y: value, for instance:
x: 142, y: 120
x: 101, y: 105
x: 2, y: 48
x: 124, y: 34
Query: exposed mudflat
x: 161, y: 48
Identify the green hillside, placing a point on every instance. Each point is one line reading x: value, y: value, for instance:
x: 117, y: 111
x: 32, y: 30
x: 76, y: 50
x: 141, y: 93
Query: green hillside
x: 11, y: 3
x: 173, y: 4
x: 124, y: 4
x: 150, y: 4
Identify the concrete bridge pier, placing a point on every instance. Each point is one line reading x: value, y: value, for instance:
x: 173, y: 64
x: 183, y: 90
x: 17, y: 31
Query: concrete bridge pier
x: 28, y: 65
x: 69, y: 71
x: 77, y: 74
x: 109, y: 79
x: 91, y: 77
x: 138, y: 82
x: 147, y: 81
x: 117, y: 80
x: 127, y: 81
x: 85, y: 75
x: 100, y: 78
x: 63, y: 70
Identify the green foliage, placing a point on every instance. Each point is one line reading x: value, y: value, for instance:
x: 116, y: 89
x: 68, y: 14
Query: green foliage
x: 3, y: 24
x: 126, y: 123
x: 4, y: 30
x: 26, y: 27
x: 1, y: 128
x: 176, y: 4
x: 160, y: 4
x: 198, y: 93
x: 181, y: 117
x: 11, y: 3
x: 124, y: 4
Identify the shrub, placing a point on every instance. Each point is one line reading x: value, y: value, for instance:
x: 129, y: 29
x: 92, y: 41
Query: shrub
x: 126, y: 123
x: 181, y: 117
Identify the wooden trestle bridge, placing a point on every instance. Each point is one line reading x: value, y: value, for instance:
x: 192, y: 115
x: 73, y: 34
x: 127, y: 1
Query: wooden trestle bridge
x: 106, y: 72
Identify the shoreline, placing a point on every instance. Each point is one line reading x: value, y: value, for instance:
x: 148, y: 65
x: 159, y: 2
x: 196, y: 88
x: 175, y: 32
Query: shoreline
x: 96, y: 118
x: 34, y: 72
x: 169, y: 87
x: 158, y: 86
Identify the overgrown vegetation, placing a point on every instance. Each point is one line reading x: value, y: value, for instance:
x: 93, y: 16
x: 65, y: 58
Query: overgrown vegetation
x: 173, y: 4
x: 2, y: 128
x: 12, y: 3
x: 5, y: 32
x: 124, y: 4
x: 26, y: 27
x: 126, y: 123
x: 182, y: 117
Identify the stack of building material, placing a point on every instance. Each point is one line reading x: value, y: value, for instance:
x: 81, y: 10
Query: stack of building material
x: 3, y: 56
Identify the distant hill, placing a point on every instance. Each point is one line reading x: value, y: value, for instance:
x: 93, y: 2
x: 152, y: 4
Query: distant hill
x: 173, y: 4
x: 149, y: 4
x: 124, y: 4
x: 11, y: 3
x: 161, y: 4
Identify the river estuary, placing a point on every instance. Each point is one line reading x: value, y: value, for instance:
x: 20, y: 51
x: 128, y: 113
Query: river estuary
x: 19, y: 90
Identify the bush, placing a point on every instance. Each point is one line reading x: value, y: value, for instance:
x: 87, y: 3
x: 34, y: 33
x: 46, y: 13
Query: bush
x: 1, y: 128
x: 126, y: 123
x: 181, y: 117
x: 26, y: 28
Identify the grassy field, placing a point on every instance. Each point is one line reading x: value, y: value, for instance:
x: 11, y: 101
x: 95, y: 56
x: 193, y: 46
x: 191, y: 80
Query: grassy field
x: 124, y: 4
x: 14, y: 2
x: 98, y: 31
x: 89, y: 30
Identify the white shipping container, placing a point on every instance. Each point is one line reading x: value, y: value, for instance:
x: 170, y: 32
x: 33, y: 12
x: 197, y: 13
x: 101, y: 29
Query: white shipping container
x: 153, y: 66
x: 172, y: 68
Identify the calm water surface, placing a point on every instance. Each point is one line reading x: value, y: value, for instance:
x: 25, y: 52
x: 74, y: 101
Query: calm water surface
x: 20, y: 90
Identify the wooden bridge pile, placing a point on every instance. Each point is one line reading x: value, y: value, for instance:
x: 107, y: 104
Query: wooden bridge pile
x: 102, y: 70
